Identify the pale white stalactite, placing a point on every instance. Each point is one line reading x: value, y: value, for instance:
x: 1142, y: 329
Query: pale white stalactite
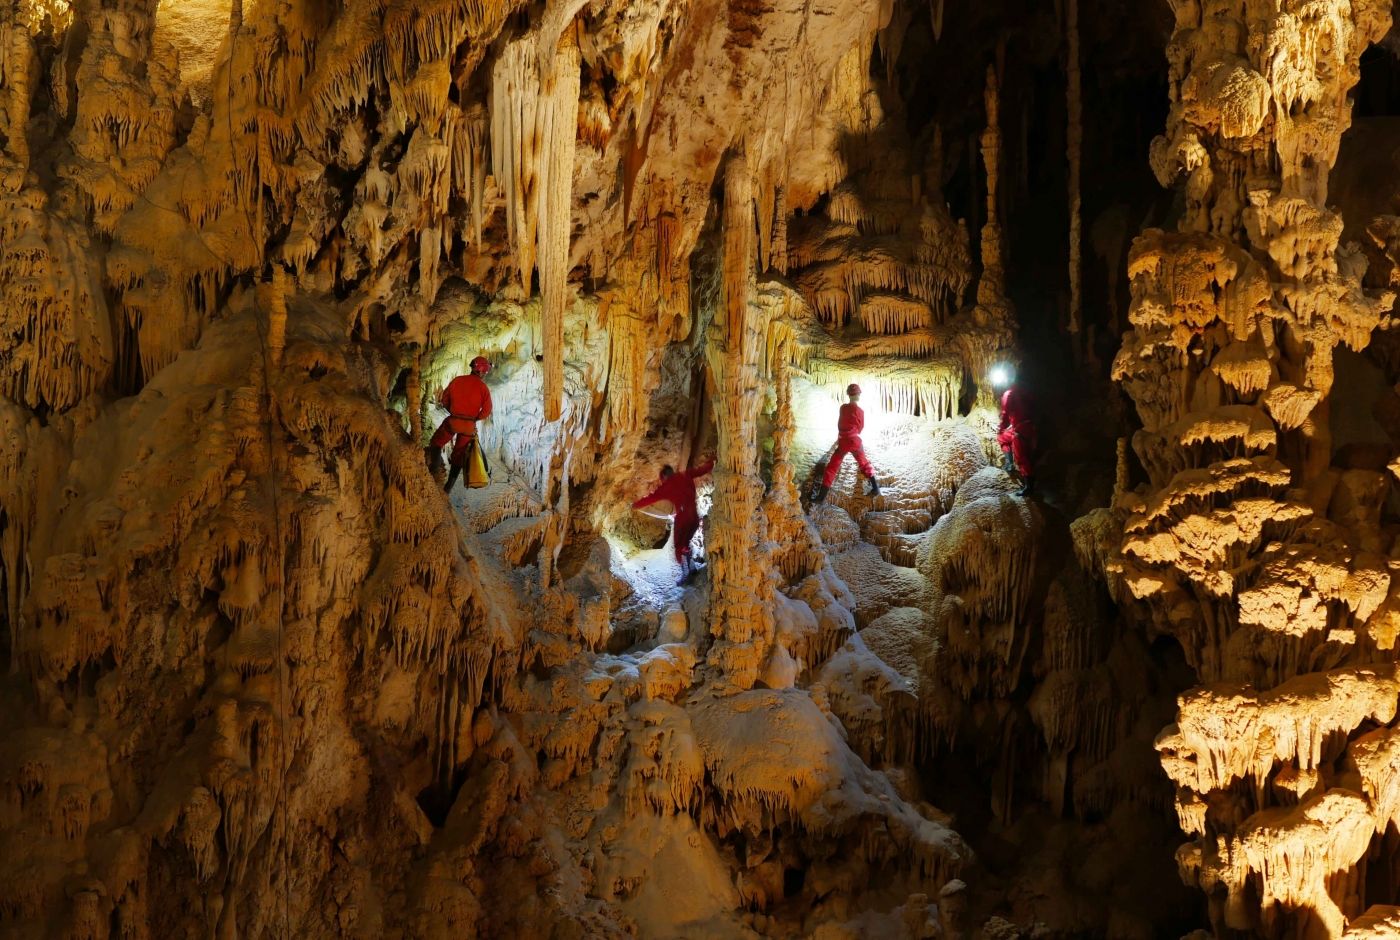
x: 516, y: 99
x: 534, y: 126
x: 558, y: 133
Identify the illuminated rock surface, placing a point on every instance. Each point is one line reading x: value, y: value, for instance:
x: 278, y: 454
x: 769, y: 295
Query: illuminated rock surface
x: 261, y: 677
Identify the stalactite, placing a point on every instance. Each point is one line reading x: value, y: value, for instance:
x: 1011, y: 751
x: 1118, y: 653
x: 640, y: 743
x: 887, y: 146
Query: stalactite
x: 559, y: 132
x: 534, y: 125
x: 780, y: 232
x: 516, y: 102
x: 765, y: 205
x: 277, y: 314
x: 1074, y: 146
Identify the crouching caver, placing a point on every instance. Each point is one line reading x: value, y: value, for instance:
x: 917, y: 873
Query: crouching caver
x: 848, y: 427
x: 468, y: 401
x: 679, y: 489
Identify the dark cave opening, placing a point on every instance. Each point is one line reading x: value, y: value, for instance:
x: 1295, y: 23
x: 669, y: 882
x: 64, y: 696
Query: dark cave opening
x: 1377, y: 94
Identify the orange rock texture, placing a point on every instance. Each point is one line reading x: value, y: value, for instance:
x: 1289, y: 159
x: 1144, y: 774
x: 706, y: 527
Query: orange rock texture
x: 262, y: 677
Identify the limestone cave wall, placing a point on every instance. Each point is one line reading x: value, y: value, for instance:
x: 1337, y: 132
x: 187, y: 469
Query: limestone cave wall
x: 262, y: 676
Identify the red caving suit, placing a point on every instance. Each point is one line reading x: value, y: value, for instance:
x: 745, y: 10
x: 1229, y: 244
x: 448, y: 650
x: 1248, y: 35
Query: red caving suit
x: 679, y: 488
x: 1016, y: 434
x: 467, y: 400
x: 848, y: 428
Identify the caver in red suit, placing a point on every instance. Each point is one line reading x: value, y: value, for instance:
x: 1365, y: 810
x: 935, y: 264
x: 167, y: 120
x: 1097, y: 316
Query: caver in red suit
x: 848, y: 427
x: 679, y: 488
x: 467, y: 400
x: 1016, y: 433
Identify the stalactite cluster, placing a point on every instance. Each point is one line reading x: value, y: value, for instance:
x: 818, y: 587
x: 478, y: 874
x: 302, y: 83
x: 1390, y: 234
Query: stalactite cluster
x: 884, y: 257
x: 268, y: 679
x: 263, y: 677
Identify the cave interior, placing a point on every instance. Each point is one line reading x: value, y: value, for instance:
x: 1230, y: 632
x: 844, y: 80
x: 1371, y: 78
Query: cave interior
x: 266, y: 670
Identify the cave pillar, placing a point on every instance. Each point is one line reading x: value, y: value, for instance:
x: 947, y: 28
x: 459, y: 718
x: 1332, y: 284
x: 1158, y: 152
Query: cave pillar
x: 741, y: 617
x: 1236, y: 315
x: 17, y: 52
x: 277, y: 315
x: 1074, y: 147
x: 414, y: 392
x: 991, y: 287
x: 993, y: 317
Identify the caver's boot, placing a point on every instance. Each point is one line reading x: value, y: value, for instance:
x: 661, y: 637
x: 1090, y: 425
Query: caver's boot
x: 874, y: 487
x: 452, y: 478
x: 1026, y: 487
x: 819, y: 494
x: 686, y: 570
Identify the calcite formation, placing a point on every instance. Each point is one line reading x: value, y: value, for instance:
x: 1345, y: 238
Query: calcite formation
x: 1249, y: 543
x: 265, y: 678
x: 262, y: 677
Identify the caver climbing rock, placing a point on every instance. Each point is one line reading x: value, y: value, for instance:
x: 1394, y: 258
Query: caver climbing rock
x: 679, y: 489
x: 1016, y: 433
x: 467, y: 400
x: 848, y: 427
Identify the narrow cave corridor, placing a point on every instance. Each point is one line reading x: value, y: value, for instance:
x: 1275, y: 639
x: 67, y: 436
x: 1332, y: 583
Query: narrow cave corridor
x: 692, y: 468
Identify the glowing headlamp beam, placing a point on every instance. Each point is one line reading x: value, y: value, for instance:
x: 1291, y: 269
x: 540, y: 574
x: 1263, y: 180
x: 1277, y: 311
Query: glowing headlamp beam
x: 1000, y: 375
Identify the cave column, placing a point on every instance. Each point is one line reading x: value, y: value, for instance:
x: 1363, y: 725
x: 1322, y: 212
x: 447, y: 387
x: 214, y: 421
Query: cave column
x: 1243, y: 307
x: 414, y: 394
x: 993, y: 318
x: 741, y: 616
x: 1074, y: 148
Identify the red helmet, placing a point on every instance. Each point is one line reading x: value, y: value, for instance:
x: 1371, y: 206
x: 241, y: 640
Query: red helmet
x: 481, y: 365
x: 853, y: 389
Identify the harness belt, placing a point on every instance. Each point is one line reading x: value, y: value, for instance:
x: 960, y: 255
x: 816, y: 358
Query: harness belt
x: 460, y: 424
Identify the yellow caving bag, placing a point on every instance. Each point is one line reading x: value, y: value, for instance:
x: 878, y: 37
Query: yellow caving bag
x: 477, y: 470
